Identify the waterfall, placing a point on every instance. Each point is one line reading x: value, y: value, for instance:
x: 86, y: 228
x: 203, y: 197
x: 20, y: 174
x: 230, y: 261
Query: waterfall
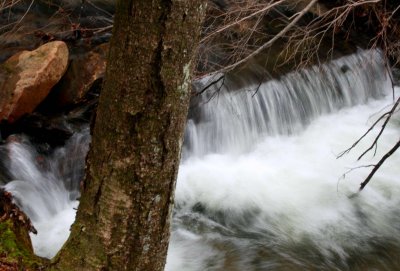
x: 232, y: 122
x: 47, y: 186
x: 260, y: 187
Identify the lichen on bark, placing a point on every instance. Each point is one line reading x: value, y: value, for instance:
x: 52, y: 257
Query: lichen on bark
x: 123, y: 221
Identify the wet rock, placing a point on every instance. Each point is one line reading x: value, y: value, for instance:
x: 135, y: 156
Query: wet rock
x: 396, y: 76
x: 52, y: 131
x: 16, y: 252
x: 27, y: 78
x: 82, y: 73
x: 46, y: 132
x: 4, y: 174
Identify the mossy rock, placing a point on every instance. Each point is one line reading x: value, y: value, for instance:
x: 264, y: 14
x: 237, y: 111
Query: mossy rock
x: 16, y: 251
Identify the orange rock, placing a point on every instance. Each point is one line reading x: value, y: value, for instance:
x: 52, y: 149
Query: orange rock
x: 27, y: 78
x: 80, y: 76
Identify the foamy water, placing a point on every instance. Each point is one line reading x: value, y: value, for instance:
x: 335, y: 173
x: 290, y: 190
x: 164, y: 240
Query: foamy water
x: 260, y: 186
x: 289, y: 195
x: 47, y: 187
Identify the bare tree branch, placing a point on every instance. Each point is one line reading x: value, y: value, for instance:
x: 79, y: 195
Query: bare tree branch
x: 271, y: 41
x: 379, y: 164
x: 257, y: 13
x: 386, y: 115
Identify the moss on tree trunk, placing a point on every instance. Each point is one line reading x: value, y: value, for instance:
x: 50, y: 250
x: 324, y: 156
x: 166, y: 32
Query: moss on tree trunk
x: 123, y: 221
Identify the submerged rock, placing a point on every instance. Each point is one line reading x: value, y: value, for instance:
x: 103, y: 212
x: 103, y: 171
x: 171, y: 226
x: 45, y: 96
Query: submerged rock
x: 27, y: 78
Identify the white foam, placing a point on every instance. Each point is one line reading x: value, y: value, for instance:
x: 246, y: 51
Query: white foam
x: 294, y: 185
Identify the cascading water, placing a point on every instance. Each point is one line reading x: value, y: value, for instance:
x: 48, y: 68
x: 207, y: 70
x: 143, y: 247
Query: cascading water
x: 233, y: 122
x: 47, y: 187
x: 260, y: 187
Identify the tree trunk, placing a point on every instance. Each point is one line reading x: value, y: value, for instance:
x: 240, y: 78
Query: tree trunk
x: 123, y: 221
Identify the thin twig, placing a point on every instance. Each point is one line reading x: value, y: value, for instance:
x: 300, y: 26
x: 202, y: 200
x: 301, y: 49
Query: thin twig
x: 379, y: 164
x: 271, y: 41
x: 386, y: 115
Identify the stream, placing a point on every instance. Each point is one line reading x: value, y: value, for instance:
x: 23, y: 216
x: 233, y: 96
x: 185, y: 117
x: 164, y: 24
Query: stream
x: 259, y: 186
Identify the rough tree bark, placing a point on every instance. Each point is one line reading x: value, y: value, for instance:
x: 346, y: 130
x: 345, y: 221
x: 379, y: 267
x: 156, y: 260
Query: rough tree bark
x: 123, y: 221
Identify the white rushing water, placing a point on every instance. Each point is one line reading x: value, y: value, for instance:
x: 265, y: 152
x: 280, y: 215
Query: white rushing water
x: 287, y: 197
x: 47, y: 188
x: 260, y: 187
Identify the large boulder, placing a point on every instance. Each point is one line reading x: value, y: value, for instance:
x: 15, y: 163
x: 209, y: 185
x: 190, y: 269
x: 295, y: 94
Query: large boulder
x: 27, y: 78
x: 82, y: 73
